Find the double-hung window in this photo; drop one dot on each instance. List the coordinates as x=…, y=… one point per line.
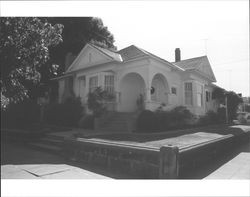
x=199, y=95
x=109, y=84
x=208, y=96
x=188, y=93
x=93, y=83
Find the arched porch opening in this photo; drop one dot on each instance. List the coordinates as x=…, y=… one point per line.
x=132, y=86
x=159, y=89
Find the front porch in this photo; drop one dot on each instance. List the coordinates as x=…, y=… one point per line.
x=137, y=92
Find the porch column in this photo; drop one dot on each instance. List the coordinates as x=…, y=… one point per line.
x=148, y=94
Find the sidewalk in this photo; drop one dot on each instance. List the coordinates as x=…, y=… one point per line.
x=236, y=168
x=46, y=171
x=20, y=162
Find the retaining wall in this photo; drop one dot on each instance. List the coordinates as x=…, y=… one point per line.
x=166, y=162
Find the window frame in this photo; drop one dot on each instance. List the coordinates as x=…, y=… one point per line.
x=91, y=89
x=208, y=96
x=200, y=94
x=190, y=92
x=174, y=87
x=110, y=85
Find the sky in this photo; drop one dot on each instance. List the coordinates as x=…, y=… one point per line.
x=218, y=29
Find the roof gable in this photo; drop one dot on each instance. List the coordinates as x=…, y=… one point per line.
x=131, y=52
x=92, y=55
x=200, y=64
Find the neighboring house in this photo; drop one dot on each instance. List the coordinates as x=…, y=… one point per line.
x=132, y=73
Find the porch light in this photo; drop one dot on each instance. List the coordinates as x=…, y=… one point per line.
x=152, y=90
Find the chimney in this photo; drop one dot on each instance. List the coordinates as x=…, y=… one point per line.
x=177, y=55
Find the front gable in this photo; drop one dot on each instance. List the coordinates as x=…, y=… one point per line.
x=199, y=65
x=206, y=69
x=89, y=56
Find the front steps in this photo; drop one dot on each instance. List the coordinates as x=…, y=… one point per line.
x=116, y=122
x=51, y=143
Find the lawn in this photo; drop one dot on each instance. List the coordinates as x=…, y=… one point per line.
x=180, y=138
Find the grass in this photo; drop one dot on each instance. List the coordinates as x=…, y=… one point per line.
x=179, y=137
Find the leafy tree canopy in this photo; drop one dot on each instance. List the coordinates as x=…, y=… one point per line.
x=77, y=32
x=31, y=51
x=233, y=100
x=24, y=49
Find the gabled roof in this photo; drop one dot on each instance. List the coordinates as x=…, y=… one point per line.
x=114, y=55
x=200, y=64
x=133, y=52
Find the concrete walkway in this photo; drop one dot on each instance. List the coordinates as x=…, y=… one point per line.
x=21, y=162
x=46, y=171
x=237, y=168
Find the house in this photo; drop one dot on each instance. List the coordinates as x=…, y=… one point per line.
x=133, y=73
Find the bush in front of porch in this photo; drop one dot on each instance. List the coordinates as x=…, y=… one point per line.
x=178, y=118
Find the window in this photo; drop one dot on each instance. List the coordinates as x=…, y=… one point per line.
x=81, y=83
x=93, y=83
x=109, y=83
x=188, y=93
x=199, y=95
x=208, y=96
x=174, y=90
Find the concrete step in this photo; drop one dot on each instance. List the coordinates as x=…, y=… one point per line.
x=54, y=136
x=51, y=141
x=112, y=129
x=115, y=123
x=50, y=148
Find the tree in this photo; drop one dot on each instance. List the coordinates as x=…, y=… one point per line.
x=24, y=50
x=233, y=101
x=77, y=32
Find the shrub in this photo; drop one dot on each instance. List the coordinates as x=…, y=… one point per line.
x=210, y=117
x=233, y=101
x=146, y=121
x=87, y=122
x=221, y=115
x=160, y=120
x=96, y=101
x=20, y=114
x=65, y=114
x=180, y=116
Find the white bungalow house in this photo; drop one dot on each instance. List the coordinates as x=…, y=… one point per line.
x=132, y=73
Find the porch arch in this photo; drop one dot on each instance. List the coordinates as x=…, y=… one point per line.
x=131, y=86
x=159, y=88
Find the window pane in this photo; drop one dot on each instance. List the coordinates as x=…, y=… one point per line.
x=188, y=94
x=173, y=90
x=199, y=95
x=109, y=83
x=93, y=83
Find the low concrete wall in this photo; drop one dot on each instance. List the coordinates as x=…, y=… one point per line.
x=167, y=162
x=135, y=160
